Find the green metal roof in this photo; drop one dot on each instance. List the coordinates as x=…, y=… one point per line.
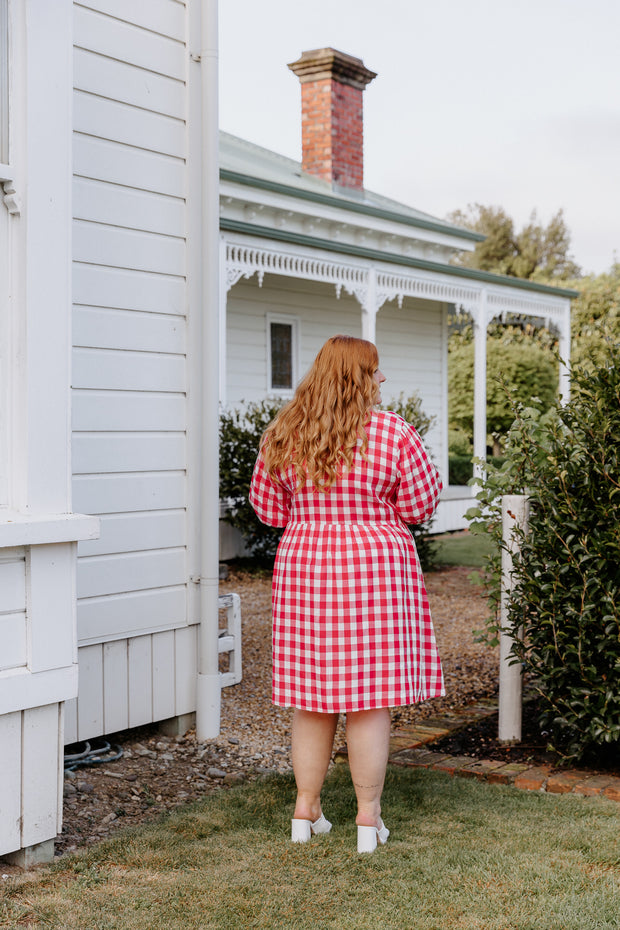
x=245, y=163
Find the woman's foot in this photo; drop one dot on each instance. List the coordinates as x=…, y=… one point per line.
x=302, y=829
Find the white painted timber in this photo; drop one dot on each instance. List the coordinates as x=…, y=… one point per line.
x=130, y=571
x=13, y=636
x=90, y=697
x=121, y=164
x=136, y=680
x=162, y=16
x=119, y=493
x=101, y=619
x=49, y=594
x=107, y=77
x=101, y=202
x=118, y=122
x=12, y=581
x=450, y=514
x=130, y=43
x=140, y=680
x=132, y=532
x=97, y=286
x=127, y=411
x=128, y=248
x=163, y=702
x=95, y=327
x=27, y=529
x=20, y=688
x=117, y=452
x=185, y=659
x=41, y=752
x=115, y=694
x=10, y=781
x=127, y=371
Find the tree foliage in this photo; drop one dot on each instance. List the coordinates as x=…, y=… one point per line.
x=536, y=252
x=566, y=596
x=528, y=372
x=595, y=317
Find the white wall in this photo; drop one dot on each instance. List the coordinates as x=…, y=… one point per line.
x=130, y=363
x=409, y=340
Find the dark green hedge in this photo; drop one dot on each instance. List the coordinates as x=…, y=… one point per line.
x=567, y=577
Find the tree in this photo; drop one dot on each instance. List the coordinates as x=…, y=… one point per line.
x=523, y=368
x=537, y=252
x=595, y=317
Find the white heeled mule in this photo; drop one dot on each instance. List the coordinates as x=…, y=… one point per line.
x=367, y=837
x=302, y=830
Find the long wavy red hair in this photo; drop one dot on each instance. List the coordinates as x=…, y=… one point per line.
x=319, y=429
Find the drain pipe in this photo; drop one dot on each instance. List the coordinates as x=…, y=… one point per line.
x=208, y=686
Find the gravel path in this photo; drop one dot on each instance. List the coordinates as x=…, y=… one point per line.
x=158, y=773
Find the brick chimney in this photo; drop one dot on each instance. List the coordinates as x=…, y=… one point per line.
x=332, y=115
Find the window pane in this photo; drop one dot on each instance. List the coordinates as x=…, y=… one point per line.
x=282, y=356
x=4, y=81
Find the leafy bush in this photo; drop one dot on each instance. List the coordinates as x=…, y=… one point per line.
x=410, y=409
x=460, y=468
x=566, y=595
x=240, y=433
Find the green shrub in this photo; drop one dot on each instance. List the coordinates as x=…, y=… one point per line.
x=460, y=469
x=240, y=433
x=566, y=595
x=410, y=409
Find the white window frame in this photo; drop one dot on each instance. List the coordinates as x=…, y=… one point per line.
x=6, y=44
x=293, y=322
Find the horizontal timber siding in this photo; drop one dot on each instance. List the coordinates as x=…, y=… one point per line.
x=130, y=373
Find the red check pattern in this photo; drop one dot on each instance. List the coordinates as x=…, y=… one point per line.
x=352, y=627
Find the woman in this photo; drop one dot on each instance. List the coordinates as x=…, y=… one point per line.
x=352, y=630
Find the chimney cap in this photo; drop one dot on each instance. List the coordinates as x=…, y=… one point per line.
x=321, y=63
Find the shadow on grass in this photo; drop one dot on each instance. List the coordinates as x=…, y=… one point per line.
x=462, y=856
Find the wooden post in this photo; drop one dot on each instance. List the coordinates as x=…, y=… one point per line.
x=514, y=515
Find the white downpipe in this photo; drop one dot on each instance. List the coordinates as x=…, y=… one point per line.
x=480, y=383
x=369, y=309
x=208, y=686
x=223, y=307
x=514, y=515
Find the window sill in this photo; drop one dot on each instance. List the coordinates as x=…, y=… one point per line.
x=36, y=529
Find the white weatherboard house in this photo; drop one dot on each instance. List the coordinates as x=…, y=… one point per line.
x=109, y=402
x=307, y=252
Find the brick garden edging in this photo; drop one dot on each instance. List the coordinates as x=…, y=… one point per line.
x=409, y=746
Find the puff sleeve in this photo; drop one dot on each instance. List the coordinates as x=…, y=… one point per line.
x=270, y=500
x=420, y=485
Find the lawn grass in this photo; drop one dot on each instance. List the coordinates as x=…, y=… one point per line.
x=462, y=856
x=471, y=549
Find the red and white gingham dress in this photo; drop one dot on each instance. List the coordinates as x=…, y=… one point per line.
x=351, y=622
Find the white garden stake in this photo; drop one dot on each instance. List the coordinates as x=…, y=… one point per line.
x=514, y=514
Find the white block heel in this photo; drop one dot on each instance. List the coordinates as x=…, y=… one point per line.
x=367, y=837
x=302, y=830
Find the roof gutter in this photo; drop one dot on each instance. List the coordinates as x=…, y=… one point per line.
x=353, y=206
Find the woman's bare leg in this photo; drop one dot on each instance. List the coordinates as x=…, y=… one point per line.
x=313, y=739
x=368, y=744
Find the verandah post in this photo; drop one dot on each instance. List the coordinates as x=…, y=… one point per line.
x=515, y=509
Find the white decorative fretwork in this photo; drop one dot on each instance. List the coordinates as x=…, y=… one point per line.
x=245, y=261
x=372, y=287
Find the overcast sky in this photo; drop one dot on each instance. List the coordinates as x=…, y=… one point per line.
x=514, y=103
